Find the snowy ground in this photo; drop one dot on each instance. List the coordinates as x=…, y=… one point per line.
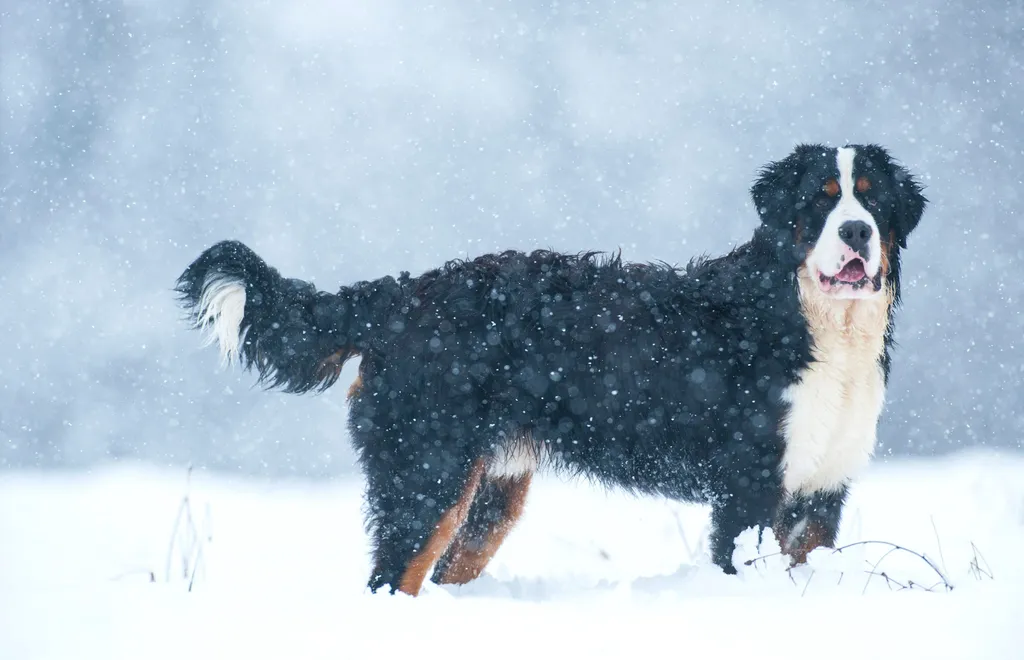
x=587, y=573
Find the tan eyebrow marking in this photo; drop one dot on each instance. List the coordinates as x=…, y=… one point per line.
x=831, y=187
x=863, y=184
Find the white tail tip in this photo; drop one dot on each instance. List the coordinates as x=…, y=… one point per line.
x=222, y=306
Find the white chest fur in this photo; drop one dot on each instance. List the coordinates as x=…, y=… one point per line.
x=830, y=430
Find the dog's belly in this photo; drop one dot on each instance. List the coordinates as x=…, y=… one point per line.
x=515, y=456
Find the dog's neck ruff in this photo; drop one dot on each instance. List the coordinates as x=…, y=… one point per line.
x=830, y=427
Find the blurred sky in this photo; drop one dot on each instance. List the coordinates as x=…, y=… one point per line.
x=345, y=140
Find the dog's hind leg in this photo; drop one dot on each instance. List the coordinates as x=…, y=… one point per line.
x=495, y=510
x=414, y=517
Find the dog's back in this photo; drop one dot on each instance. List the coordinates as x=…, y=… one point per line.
x=752, y=382
x=474, y=374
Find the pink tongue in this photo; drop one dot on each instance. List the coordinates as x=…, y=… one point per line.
x=853, y=271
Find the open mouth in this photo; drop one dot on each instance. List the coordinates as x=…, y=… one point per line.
x=852, y=276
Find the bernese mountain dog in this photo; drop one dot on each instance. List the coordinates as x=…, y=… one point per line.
x=751, y=382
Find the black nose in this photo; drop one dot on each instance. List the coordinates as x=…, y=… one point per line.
x=855, y=233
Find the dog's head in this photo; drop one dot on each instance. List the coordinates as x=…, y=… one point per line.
x=844, y=212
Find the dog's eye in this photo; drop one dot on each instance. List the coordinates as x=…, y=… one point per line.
x=831, y=187
x=872, y=202
x=822, y=202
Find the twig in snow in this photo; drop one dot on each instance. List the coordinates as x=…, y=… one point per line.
x=893, y=547
x=911, y=585
x=763, y=557
x=873, y=572
x=139, y=571
x=976, y=562
x=938, y=543
x=808, y=583
x=184, y=512
x=693, y=553
x=185, y=535
x=889, y=581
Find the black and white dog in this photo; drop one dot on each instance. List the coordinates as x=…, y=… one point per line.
x=752, y=382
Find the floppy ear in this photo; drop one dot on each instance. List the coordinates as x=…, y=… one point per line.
x=910, y=203
x=775, y=192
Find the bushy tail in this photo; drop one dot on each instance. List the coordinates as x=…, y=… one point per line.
x=296, y=337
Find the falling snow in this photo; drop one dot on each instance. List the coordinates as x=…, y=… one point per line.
x=344, y=141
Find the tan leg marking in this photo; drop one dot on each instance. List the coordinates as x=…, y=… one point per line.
x=813, y=537
x=444, y=531
x=471, y=556
x=356, y=386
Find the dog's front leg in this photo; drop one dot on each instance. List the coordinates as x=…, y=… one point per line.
x=811, y=521
x=751, y=499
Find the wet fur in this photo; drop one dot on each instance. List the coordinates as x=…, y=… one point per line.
x=647, y=377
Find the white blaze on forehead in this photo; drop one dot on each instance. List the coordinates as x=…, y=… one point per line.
x=844, y=159
x=830, y=252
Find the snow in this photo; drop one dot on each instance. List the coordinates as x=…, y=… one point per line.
x=345, y=141
x=588, y=573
